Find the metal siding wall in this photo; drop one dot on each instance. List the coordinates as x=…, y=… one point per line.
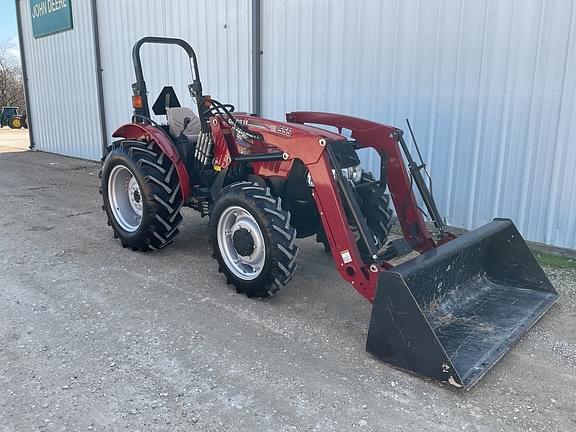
x=219, y=32
x=62, y=86
x=487, y=84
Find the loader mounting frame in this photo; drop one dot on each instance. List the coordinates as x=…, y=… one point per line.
x=301, y=142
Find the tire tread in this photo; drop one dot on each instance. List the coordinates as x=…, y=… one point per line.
x=277, y=227
x=163, y=193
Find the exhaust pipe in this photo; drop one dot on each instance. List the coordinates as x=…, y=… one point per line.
x=453, y=312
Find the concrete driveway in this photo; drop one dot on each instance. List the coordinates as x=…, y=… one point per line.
x=13, y=140
x=97, y=337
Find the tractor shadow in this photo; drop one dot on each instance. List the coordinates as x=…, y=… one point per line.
x=316, y=292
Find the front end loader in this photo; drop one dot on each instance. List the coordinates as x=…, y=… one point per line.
x=449, y=314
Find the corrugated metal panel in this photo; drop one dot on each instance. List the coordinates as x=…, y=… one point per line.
x=62, y=86
x=487, y=84
x=219, y=32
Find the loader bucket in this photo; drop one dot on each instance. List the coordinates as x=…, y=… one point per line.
x=451, y=313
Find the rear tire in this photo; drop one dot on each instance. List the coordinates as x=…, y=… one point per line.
x=141, y=194
x=252, y=239
x=15, y=122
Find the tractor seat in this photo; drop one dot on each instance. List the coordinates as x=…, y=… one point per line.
x=176, y=117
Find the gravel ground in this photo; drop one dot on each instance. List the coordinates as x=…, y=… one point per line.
x=96, y=337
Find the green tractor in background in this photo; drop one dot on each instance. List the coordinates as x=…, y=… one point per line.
x=10, y=117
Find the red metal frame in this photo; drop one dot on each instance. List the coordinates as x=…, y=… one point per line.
x=308, y=144
x=384, y=139
x=149, y=133
x=301, y=141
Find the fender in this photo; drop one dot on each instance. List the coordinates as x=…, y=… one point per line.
x=148, y=133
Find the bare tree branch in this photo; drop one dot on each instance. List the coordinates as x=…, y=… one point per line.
x=11, y=82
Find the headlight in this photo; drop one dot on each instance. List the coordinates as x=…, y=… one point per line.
x=351, y=173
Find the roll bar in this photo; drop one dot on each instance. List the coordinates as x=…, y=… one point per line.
x=139, y=87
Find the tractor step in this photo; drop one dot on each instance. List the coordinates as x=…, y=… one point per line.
x=201, y=201
x=451, y=313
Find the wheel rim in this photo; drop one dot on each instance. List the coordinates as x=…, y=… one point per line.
x=125, y=198
x=241, y=243
x=16, y=123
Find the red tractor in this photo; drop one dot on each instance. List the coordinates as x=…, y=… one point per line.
x=448, y=314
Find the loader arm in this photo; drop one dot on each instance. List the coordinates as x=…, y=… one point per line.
x=310, y=144
x=386, y=141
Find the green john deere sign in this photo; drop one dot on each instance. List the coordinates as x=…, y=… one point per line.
x=50, y=16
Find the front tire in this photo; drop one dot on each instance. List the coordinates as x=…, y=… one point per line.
x=252, y=239
x=375, y=206
x=141, y=194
